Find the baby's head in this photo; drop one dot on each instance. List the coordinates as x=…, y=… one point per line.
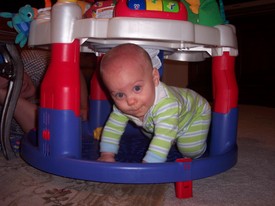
x=128, y=74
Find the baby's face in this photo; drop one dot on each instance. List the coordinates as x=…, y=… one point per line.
x=132, y=88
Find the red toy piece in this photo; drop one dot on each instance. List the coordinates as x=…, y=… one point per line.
x=60, y=88
x=96, y=88
x=185, y=189
x=225, y=88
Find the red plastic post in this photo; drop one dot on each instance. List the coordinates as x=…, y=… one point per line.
x=97, y=91
x=60, y=88
x=225, y=89
x=185, y=189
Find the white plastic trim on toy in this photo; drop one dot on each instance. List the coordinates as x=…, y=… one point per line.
x=99, y=35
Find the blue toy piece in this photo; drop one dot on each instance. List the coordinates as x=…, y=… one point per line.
x=137, y=4
x=56, y=157
x=21, y=23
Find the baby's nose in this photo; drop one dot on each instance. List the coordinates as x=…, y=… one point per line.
x=131, y=101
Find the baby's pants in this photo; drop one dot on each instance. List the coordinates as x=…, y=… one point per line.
x=192, y=143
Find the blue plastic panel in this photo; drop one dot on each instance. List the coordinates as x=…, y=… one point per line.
x=87, y=168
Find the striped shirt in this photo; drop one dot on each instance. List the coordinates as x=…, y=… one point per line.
x=174, y=111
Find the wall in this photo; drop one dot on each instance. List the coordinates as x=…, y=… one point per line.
x=255, y=66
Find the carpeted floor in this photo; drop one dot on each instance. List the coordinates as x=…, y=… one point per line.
x=251, y=182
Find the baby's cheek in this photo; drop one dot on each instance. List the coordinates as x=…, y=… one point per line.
x=150, y=101
x=120, y=105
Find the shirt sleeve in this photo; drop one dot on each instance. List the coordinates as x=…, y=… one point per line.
x=112, y=132
x=166, y=120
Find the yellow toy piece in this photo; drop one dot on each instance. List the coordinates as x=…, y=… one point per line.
x=84, y=6
x=194, y=5
x=154, y=5
x=97, y=133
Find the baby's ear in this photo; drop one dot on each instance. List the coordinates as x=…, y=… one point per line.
x=156, y=76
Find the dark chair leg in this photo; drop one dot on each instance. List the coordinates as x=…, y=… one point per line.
x=12, y=69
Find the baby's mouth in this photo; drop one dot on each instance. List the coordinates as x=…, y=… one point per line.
x=135, y=110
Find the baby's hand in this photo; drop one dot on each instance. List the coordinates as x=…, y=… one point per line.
x=107, y=157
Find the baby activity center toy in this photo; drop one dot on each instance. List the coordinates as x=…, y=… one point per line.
x=66, y=146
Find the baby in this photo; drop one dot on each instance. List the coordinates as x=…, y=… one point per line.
x=170, y=114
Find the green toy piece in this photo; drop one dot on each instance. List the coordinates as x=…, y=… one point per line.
x=203, y=12
x=21, y=23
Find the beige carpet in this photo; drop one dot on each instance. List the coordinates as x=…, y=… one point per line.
x=251, y=182
x=26, y=186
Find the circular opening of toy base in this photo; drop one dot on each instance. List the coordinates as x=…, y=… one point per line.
x=128, y=169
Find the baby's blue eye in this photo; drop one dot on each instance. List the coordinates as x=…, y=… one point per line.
x=137, y=88
x=119, y=95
